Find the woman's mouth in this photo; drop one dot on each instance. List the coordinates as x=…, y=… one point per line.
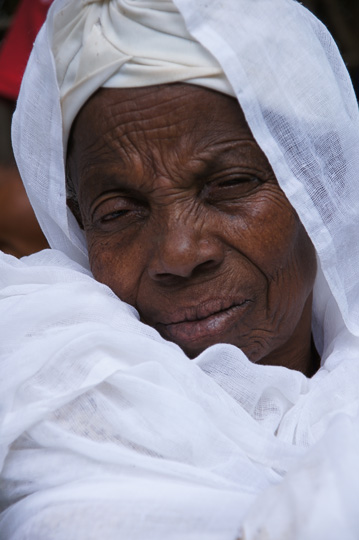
x=209, y=322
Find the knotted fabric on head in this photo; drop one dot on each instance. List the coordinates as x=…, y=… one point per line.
x=126, y=44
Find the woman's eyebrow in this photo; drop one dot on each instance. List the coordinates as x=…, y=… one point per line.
x=218, y=155
x=91, y=187
x=204, y=162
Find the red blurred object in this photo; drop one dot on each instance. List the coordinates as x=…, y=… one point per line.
x=17, y=44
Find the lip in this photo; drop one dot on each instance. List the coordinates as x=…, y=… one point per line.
x=209, y=321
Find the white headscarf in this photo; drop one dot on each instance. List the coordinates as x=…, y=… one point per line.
x=108, y=431
x=126, y=44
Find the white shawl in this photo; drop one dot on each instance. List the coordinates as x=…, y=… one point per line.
x=108, y=431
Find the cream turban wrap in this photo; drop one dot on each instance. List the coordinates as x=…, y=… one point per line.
x=126, y=44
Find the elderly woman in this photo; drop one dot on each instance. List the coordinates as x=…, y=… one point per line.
x=194, y=167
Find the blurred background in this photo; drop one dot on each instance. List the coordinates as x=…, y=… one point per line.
x=6, y=11
x=340, y=16
x=20, y=21
x=342, y=19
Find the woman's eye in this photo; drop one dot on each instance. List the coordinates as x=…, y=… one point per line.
x=114, y=215
x=233, y=182
x=117, y=211
x=231, y=188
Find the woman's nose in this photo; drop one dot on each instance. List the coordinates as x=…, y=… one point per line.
x=183, y=250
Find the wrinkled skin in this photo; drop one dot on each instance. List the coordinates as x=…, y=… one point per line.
x=185, y=220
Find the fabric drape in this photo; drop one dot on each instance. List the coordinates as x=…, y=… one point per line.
x=107, y=430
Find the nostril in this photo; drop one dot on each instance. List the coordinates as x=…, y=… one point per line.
x=182, y=253
x=170, y=280
x=177, y=278
x=205, y=267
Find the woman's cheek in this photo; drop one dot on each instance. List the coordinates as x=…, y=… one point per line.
x=268, y=248
x=115, y=266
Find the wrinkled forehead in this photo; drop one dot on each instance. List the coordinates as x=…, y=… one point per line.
x=166, y=112
x=164, y=107
x=178, y=131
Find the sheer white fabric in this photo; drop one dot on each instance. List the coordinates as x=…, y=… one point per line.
x=108, y=431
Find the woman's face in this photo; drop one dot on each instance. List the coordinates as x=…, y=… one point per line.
x=184, y=220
